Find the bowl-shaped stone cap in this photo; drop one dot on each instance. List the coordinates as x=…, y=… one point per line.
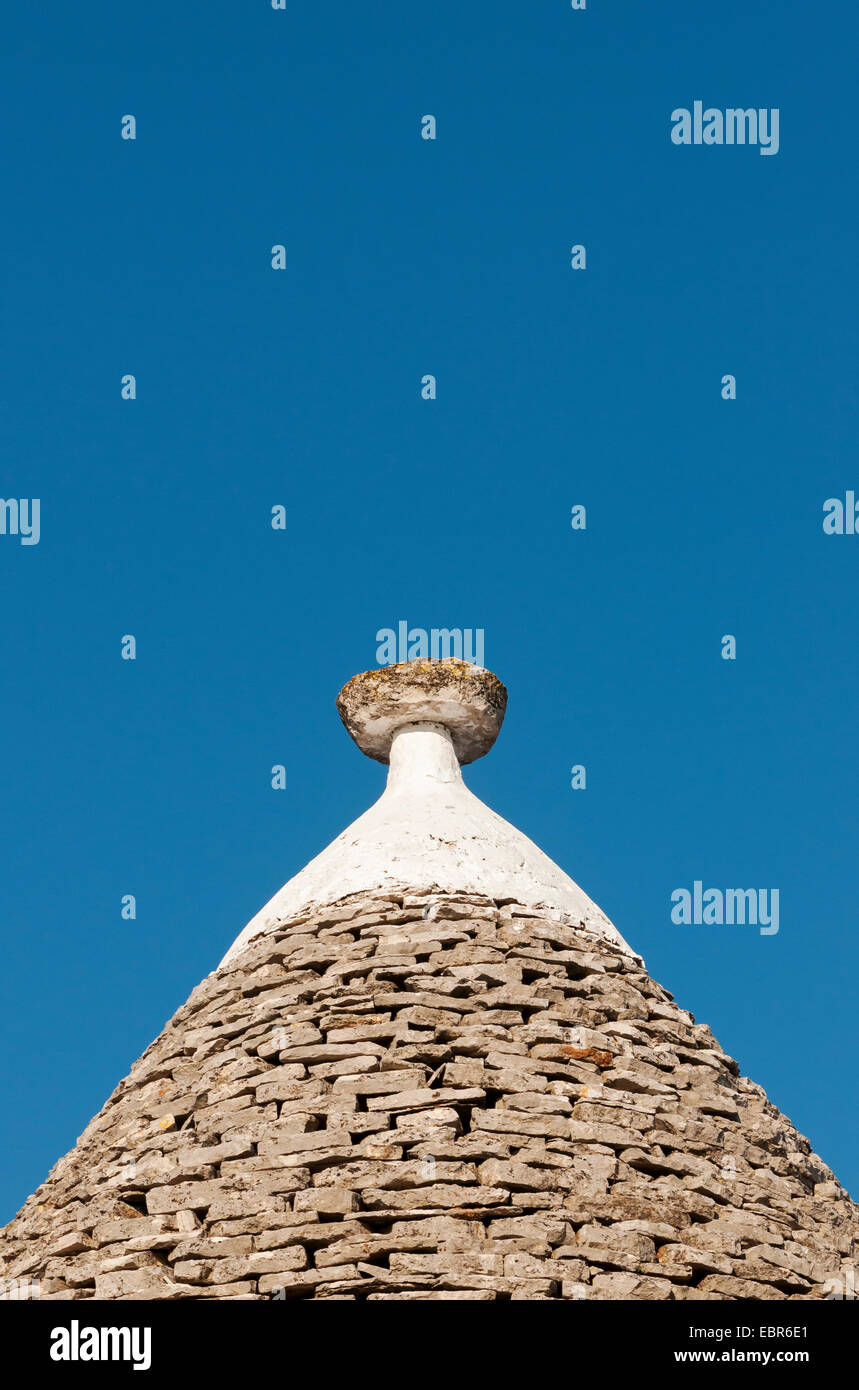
x=466, y=700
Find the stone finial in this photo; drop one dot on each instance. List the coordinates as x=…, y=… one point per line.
x=466, y=700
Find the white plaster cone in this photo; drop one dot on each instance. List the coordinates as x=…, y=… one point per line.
x=428, y=832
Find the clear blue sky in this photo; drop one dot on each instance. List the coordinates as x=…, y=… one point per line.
x=301, y=388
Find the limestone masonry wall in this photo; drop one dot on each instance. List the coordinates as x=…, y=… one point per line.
x=434, y=1098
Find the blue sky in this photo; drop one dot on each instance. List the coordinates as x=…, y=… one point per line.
x=302, y=388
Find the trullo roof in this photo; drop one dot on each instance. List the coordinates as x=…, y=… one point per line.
x=431, y=1068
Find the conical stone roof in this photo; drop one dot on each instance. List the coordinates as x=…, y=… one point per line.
x=433, y=1089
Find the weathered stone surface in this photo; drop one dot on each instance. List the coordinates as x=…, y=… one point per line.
x=626, y=1286
x=481, y=1105
x=470, y=701
x=142, y=1283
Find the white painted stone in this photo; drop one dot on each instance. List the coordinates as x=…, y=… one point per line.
x=429, y=832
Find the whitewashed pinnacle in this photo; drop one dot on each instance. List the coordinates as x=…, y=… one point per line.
x=427, y=831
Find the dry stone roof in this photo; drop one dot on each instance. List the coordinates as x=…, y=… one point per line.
x=434, y=1096
x=431, y=1068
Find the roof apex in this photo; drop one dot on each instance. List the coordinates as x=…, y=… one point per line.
x=466, y=700
x=428, y=832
